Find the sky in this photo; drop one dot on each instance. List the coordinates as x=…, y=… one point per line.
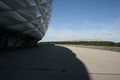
x=84, y=20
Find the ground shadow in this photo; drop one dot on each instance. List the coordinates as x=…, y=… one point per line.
x=44, y=62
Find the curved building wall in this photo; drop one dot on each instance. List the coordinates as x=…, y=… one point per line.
x=26, y=17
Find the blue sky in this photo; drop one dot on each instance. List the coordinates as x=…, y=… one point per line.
x=84, y=19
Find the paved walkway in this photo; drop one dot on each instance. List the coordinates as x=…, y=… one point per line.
x=56, y=62
x=101, y=64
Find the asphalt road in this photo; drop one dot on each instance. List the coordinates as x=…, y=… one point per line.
x=57, y=62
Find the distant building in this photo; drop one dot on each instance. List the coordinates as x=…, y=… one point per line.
x=23, y=22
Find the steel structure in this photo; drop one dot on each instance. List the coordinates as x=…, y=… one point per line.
x=23, y=22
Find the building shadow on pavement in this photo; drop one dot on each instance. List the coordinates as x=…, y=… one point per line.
x=44, y=62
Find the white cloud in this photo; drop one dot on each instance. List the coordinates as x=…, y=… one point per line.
x=108, y=33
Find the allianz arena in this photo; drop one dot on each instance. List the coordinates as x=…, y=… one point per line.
x=23, y=22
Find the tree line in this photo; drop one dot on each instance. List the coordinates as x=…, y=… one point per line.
x=94, y=43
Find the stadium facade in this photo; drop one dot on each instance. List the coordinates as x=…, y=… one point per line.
x=23, y=22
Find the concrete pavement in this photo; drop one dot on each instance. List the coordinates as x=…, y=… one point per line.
x=101, y=64
x=58, y=62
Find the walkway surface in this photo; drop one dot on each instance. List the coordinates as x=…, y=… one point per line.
x=101, y=64
x=58, y=62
